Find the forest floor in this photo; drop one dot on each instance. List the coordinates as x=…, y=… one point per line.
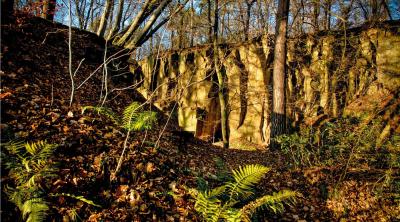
x=154, y=183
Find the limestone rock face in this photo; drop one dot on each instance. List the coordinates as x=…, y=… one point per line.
x=332, y=75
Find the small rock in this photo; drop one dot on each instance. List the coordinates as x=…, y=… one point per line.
x=20, y=126
x=70, y=114
x=296, y=217
x=305, y=208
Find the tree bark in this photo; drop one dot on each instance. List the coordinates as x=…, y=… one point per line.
x=191, y=24
x=104, y=18
x=221, y=82
x=316, y=7
x=327, y=12
x=89, y=13
x=249, y=4
x=278, y=118
x=115, y=28
x=134, y=25
x=142, y=34
x=79, y=14
x=210, y=28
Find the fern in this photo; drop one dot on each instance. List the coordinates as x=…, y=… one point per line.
x=29, y=162
x=29, y=166
x=273, y=202
x=143, y=121
x=130, y=114
x=132, y=119
x=34, y=210
x=245, y=178
x=104, y=111
x=212, y=207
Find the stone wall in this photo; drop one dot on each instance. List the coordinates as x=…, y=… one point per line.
x=351, y=73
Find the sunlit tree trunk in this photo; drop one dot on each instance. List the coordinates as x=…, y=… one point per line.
x=278, y=118
x=191, y=23
x=327, y=14
x=221, y=82
x=115, y=28
x=316, y=7
x=104, y=18
x=89, y=14
x=135, y=23
x=210, y=29
x=80, y=14
x=138, y=40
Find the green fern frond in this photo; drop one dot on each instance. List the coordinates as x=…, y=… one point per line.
x=40, y=150
x=81, y=198
x=273, y=202
x=208, y=207
x=42, y=171
x=30, y=162
x=34, y=148
x=213, y=209
x=233, y=215
x=14, y=196
x=130, y=113
x=35, y=210
x=244, y=180
x=107, y=112
x=15, y=147
x=142, y=121
x=216, y=191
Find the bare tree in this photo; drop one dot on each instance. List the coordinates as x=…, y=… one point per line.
x=278, y=97
x=221, y=82
x=104, y=18
x=249, y=4
x=117, y=22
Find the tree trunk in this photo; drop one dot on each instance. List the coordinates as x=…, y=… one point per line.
x=181, y=33
x=134, y=25
x=328, y=6
x=278, y=118
x=89, y=14
x=137, y=41
x=221, y=82
x=79, y=14
x=249, y=4
x=210, y=29
x=191, y=24
x=151, y=32
x=374, y=10
x=115, y=28
x=315, y=16
x=104, y=18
